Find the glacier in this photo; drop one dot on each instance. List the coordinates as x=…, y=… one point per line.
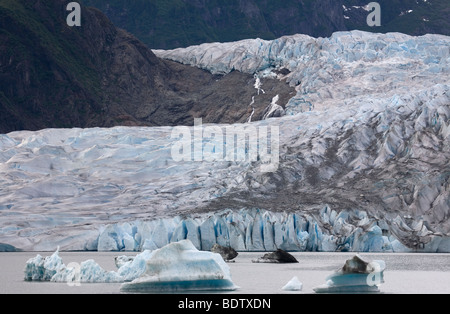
x=254, y=230
x=363, y=161
x=328, y=72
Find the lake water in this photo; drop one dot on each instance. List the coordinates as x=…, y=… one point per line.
x=405, y=273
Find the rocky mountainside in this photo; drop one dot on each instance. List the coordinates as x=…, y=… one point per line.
x=96, y=75
x=167, y=24
x=174, y=23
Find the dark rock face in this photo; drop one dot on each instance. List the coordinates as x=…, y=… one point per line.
x=56, y=76
x=172, y=24
x=227, y=253
x=279, y=256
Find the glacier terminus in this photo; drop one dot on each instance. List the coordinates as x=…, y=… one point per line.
x=364, y=151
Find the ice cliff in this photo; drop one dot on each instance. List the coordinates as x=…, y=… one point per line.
x=256, y=230
x=363, y=161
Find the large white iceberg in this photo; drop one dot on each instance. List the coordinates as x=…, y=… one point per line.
x=180, y=266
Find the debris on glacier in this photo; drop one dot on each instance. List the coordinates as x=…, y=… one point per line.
x=293, y=285
x=180, y=266
x=227, y=253
x=357, y=275
x=279, y=256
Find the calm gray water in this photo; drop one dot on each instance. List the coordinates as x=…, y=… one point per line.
x=405, y=273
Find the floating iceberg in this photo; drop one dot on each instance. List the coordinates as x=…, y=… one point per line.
x=51, y=268
x=357, y=276
x=43, y=269
x=293, y=285
x=179, y=267
x=227, y=253
x=279, y=256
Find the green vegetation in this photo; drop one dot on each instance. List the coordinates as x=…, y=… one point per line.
x=432, y=16
x=43, y=64
x=175, y=23
x=25, y=29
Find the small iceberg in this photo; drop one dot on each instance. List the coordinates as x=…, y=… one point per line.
x=227, y=253
x=293, y=285
x=357, y=276
x=180, y=266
